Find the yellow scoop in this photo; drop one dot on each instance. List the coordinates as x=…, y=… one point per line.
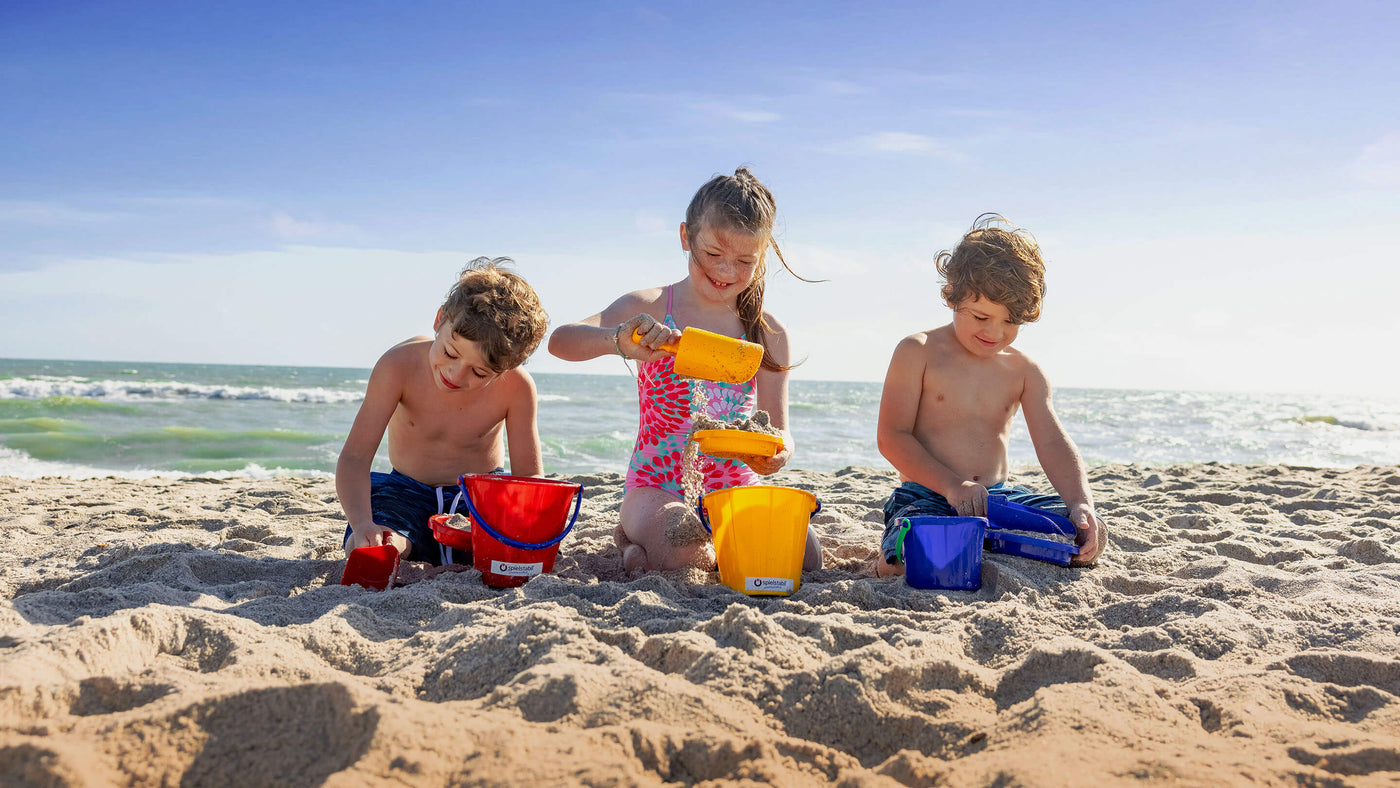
x=705, y=354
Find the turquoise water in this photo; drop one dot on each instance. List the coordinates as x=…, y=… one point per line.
x=84, y=418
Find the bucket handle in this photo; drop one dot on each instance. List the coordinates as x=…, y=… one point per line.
x=506, y=540
x=705, y=519
x=904, y=526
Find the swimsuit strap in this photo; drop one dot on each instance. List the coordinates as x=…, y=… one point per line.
x=670, y=294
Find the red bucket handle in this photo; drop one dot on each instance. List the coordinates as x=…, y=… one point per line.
x=506, y=540
x=705, y=519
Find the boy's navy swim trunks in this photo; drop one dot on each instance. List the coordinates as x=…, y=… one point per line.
x=912, y=499
x=404, y=504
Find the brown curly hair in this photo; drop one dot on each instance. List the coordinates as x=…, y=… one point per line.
x=496, y=308
x=999, y=262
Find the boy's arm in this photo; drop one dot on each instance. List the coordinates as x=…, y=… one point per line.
x=894, y=432
x=772, y=396
x=522, y=429
x=1063, y=466
x=352, y=468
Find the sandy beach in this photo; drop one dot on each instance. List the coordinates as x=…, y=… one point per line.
x=1241, y=629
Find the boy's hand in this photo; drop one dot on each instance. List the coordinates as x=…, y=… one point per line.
x=373, y=536
x=1090, y=534
x=970, y=500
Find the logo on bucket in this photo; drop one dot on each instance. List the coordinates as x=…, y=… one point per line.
x=507, y=569
x=783, y=584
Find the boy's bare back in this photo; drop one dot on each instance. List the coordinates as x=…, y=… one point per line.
x=432, y=432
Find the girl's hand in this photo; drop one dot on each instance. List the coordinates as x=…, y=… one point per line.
x=767, y=466
x=1090, y=534
x=970, y=500
x=654, y=334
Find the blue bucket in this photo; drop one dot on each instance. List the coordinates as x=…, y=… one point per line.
x=942, y=552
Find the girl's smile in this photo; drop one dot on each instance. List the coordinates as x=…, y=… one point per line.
x=726, y=260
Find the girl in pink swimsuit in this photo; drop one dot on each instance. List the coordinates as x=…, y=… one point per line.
x=665, y=401
x=726, y=234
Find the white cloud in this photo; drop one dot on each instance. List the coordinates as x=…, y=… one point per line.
x=653, y=225
x=50, y=213
x=285, y=226
x=1379, y=162
x=842, y=87
x=818, y=262
x=904, y=142
x=737, y=113
x=738, y=109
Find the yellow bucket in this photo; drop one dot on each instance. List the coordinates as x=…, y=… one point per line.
x=760, y=536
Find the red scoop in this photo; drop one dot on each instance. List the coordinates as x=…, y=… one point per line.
x=372, y=567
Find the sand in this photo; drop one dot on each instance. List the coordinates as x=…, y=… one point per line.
x=1242, y=628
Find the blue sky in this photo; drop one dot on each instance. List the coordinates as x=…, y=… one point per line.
x=1215, y=186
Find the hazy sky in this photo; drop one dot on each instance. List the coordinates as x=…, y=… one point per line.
x=1216, y=186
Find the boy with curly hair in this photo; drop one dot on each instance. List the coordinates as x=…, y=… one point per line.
x=951, y=393
x=444, y=401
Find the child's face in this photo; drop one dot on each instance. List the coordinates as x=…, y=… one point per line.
x=457, y=364
x=723, y=262
x=983, y=327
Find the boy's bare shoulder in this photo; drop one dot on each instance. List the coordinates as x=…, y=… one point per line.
x=932, y=339
x=517, y=382
x=406, y=347
x=403, y=359
x=413, y=349
x=1032, y=373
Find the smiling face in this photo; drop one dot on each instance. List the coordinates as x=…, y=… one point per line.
x=457, y=364
x=983, y=328
x=723, y=262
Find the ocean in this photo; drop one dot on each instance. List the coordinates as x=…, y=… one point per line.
x=86, y=419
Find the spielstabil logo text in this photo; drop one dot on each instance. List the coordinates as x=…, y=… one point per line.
x=783, y=584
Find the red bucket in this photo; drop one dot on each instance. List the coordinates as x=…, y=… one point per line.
x=517, y=524
x=451, y=539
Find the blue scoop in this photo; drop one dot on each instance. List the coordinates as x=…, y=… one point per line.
x=1003, y=514
x=1017, y=517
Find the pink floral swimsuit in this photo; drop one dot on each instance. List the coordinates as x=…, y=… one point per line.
x=664, y=400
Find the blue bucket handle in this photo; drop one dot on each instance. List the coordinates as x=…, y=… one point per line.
x=705, y=519
x=506, y=540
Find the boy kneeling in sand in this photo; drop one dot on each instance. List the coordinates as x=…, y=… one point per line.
x=444, y=401
x=951, y=393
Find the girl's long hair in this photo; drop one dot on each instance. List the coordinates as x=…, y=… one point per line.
x=739, y=202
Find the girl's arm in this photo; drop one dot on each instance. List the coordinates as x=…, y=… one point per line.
x=1060, y=460
x=772, y=396
x=522, y=428
x=352, y=482
x=610, y=331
